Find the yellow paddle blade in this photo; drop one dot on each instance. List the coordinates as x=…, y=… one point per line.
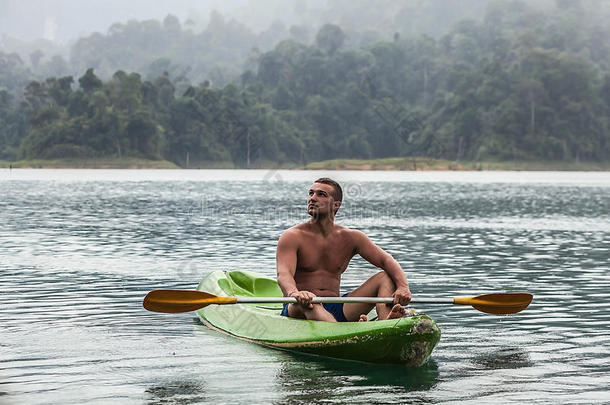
x=176, y=301
x=498, y=303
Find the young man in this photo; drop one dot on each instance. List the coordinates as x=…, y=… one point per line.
x=312, y=256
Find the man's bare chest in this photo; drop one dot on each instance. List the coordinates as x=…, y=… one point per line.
x=332, y=255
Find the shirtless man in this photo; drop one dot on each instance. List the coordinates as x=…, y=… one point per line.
x=312, y=256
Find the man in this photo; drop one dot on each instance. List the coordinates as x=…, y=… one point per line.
x=312, y=256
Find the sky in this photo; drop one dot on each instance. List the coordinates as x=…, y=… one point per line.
x=61, y=21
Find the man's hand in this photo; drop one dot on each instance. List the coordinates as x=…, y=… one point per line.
x=402, y=296
x=303, y=298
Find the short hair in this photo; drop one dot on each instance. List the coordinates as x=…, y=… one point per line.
x=338, y=194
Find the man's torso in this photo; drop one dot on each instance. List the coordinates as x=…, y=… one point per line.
x=322, y=259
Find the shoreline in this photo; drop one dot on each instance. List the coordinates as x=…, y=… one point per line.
x=430, y=164
x=389, y=164
x=93, y=163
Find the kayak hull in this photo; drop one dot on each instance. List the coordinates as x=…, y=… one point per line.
x=408, y=341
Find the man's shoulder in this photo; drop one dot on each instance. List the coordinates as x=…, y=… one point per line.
x=355, y=236
x=299, y=228
x=294, y=232
x=348, y=231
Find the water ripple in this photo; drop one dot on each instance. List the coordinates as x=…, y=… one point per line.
x=80, y=250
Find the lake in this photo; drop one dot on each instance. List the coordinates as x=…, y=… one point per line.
x=79, y=249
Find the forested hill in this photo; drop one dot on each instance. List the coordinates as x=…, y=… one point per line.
x=220, y=46
x=519, y=84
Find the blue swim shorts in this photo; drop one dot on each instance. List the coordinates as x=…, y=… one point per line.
x=335, y=308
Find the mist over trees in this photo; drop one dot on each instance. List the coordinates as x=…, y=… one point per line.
x=518, y=83
x=218, y=47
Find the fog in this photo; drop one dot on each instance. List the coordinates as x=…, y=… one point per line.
x=62, y=21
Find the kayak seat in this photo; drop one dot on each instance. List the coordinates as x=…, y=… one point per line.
x=249, y=285
x=266, y=287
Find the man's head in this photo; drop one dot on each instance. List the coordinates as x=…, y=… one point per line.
x=325, y=196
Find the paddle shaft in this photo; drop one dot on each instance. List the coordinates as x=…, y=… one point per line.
x=328, y=300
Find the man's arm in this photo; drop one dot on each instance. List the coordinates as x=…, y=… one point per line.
x=286, y=265
x=380, y=258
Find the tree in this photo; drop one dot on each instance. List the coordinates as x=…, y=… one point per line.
x=89, y=81
x=171, y=24
x=330, y=38
x=35, y=58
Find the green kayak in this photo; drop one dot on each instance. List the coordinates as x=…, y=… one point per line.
x=408, y=340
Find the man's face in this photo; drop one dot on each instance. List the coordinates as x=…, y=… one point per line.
x=320, y=200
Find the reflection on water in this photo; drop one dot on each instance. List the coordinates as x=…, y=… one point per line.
x=176, y=392
x=503, y=358
x=80, y=249
x=313, y=379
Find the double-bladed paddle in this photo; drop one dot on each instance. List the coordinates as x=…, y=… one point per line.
x=176, y=301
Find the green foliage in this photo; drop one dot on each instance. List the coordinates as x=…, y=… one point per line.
x=330, y=38
x=518, y=85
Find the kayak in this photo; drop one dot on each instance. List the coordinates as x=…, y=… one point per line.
x=407, y=340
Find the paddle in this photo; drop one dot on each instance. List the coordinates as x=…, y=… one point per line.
x=176, y=301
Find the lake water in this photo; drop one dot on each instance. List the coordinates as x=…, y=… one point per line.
x=79, y=249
